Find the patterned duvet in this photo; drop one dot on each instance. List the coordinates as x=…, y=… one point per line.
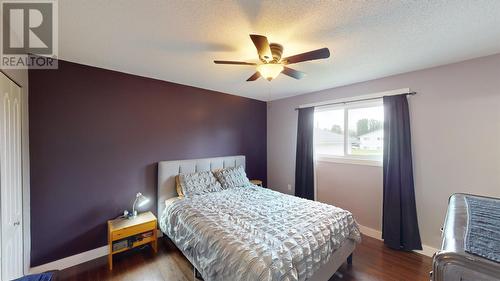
x=253, y=233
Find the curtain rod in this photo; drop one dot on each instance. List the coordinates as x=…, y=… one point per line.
x=351, y=101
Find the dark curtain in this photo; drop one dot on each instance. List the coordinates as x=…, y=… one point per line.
x=304, y=163
x=400, y=224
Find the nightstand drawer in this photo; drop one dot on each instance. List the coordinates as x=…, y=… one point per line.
x=129, y=231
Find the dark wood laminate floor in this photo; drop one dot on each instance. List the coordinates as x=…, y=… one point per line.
x=372, y=261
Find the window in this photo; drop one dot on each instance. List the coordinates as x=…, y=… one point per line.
x=329, y=132
x=353, y=131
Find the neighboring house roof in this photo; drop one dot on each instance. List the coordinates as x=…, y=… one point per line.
x=327, y=136
x=377, y=133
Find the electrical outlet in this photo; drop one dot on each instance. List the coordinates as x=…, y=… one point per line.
x=289, y=187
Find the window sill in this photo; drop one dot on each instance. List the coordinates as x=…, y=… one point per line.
x=346, y=160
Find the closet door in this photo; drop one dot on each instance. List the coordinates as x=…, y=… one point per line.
x=10, y=178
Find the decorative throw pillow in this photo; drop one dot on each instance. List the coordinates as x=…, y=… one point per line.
x=178, y=186
x=198, y=183
x=232, y=177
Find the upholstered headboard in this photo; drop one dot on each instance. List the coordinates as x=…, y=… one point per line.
x=167, y=170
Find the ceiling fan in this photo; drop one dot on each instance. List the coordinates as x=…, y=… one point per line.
x=271, y=62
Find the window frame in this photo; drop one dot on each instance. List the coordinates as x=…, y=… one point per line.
x=347, y=158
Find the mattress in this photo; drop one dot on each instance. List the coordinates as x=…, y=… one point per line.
x=253, y=233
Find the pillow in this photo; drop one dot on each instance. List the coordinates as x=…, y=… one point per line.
x=232, y=177
x=178, y=186
x=198, y=183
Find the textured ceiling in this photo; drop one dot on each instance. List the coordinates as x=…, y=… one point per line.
x=178, y=40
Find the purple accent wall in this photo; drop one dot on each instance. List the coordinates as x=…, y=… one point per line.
x=96, y=136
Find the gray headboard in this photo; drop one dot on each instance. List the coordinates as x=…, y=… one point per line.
x=167, y=170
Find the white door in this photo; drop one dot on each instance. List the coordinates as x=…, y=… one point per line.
x=10, y=179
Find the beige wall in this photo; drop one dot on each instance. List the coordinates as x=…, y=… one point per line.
x=455, y=120
x=338, y=183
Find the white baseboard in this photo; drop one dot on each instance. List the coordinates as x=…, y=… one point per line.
x=373, y=233
x=71, y=260
x=74, y=260
x=426, y=250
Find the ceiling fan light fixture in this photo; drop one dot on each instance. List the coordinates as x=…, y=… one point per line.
x=272, y=64
x=270, y=70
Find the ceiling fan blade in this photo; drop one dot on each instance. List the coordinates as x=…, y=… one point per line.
x=262, y=46
x=233, y=62
x=312, y=55
x=254, y=77
x=293, y=73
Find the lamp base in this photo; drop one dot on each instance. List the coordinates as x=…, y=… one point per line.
x=131, y=215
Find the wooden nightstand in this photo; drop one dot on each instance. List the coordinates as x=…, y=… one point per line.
x=126, y=234
x=256, y=182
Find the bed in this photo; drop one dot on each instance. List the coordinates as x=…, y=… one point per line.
x=252, y=233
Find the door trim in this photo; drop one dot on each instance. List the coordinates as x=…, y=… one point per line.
x=25, y=155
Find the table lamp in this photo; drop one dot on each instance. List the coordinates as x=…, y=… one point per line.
x=140, y=200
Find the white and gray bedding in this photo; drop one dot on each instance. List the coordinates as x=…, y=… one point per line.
x=252, y=233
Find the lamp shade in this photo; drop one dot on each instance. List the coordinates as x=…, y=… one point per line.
x=141, y=200
x=270, y=70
